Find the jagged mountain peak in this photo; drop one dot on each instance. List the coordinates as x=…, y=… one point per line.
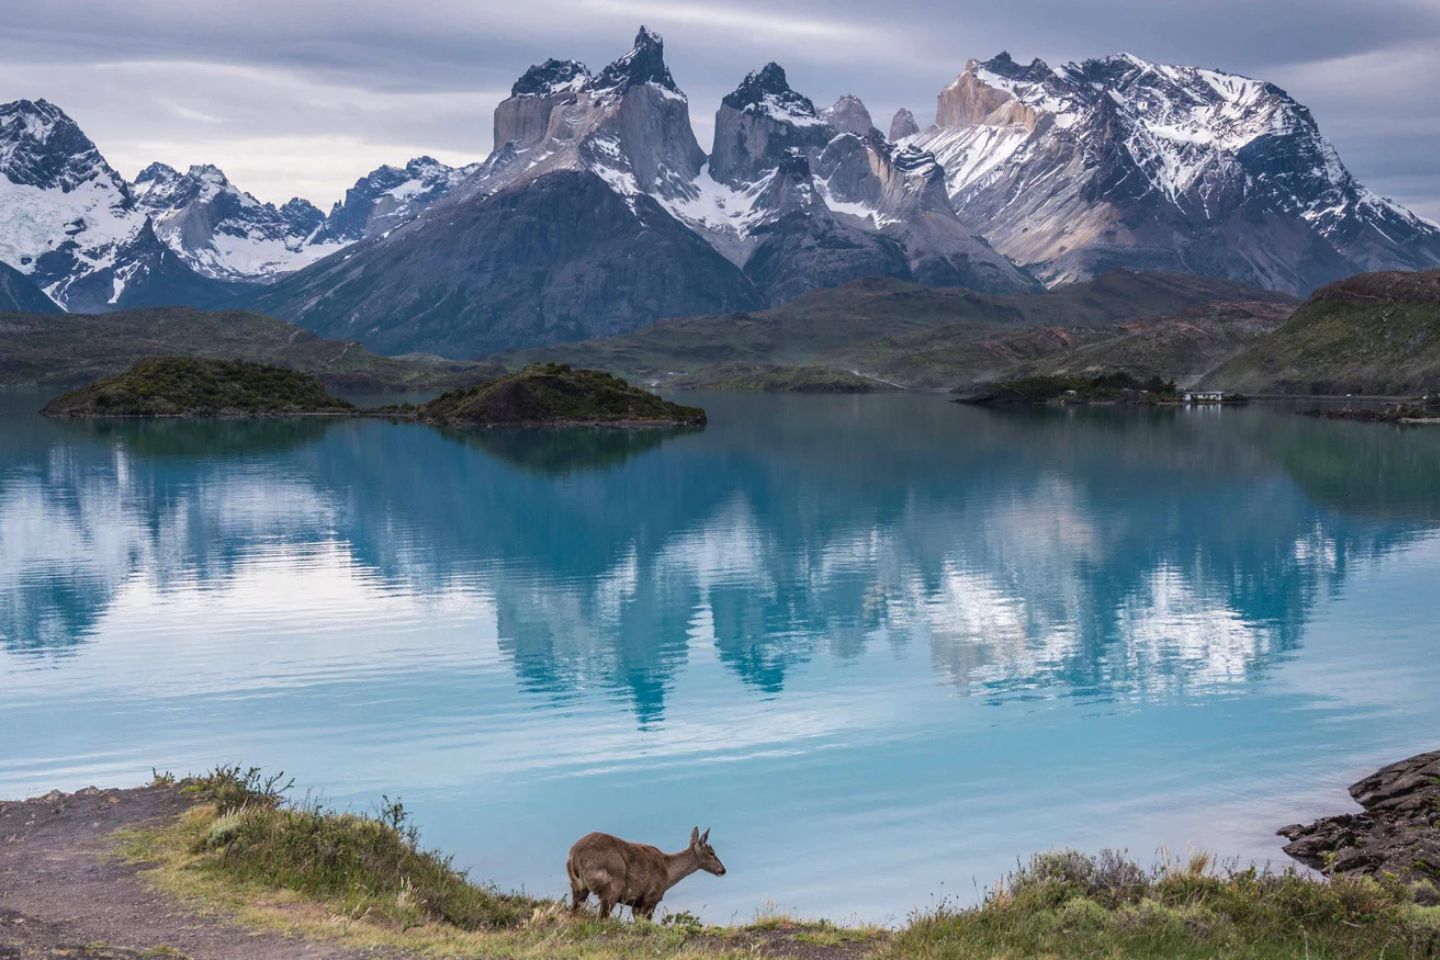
x=645, y=63
x=848, y=114
x=903, y=125
x=1159, y=166
x=768, y=91
x=41, y=146
x=156, y=171
x=551, y=77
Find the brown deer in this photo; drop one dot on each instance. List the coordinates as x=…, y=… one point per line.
x=635, y=875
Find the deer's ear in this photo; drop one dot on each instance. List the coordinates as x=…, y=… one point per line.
x=705, y=837
x=694, y=835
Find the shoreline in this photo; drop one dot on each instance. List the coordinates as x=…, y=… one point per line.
x=166, y=868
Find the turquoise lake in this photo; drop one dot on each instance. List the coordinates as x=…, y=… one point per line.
x=883, y=646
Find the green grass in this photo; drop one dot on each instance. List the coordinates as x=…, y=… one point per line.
x=365, y=881
x=1078, y=907
x=1375, y=334
x=192, y=386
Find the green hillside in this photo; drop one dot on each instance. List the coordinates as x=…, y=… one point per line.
x=1376, y=333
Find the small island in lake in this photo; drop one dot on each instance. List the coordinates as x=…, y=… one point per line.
x=556, y=394
x=541, y=395
x=1109, y=388
x=199, y=387
x=1407, y=413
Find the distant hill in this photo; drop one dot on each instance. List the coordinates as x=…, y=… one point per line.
x=1375, y=333
x=199, y=387
x=71, y=349
x=893, y=331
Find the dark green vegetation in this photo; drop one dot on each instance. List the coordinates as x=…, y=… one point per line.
x=1389, y=413
x=244, y=849
x=1375, y=333
x=556, y=394
x=72, y=349
x=905, y=334
x=1077, y=907
x=1118, y=387
x=771, y=378
x=194, y=387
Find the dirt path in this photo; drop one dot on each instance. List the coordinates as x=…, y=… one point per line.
x=61, y=896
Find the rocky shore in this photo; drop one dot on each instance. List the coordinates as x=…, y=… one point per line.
x=1397, y=834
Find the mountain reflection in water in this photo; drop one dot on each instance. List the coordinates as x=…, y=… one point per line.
x=803, y=576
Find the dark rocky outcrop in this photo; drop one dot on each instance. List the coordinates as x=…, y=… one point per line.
x=1397, y=834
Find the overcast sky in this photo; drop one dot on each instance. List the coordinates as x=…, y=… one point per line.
x=304, y=96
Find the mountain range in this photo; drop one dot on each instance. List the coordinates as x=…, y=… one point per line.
x=598, y=212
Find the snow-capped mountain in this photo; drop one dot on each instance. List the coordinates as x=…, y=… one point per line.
x=560, y=235
x=223, y=232
x=78, y=230
x=786, y=202
x=822, y=198
x=72, y=224
x=388, y=196
x=1120, y=161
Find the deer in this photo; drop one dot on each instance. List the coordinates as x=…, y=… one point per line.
x=635, y=875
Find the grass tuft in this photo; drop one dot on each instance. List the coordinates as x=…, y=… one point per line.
x=1073, y=905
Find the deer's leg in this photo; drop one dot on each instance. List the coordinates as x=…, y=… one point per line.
x=578, y=896
x=607, y=903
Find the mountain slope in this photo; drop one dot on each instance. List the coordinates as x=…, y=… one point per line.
x=1377, y=333
x=1120, y=161
x=560, y=235
x=19, y=295
x=560, y=257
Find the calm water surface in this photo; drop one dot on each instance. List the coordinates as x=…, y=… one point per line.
x=883, y=646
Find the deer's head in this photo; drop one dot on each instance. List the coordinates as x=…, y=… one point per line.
x=704, y=853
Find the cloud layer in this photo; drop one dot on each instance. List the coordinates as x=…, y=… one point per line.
x=303, y=96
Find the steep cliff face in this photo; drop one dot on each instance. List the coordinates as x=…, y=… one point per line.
x=848, y=115
x=870, y=211
x=629, y=124
x=761, y=122
x=903, y=125
x=1124, y=162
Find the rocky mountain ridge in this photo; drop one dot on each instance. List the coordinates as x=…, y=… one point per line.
x=1066, y=171
x=1154, y=166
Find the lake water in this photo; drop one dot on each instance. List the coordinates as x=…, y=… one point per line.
x=883, y=646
